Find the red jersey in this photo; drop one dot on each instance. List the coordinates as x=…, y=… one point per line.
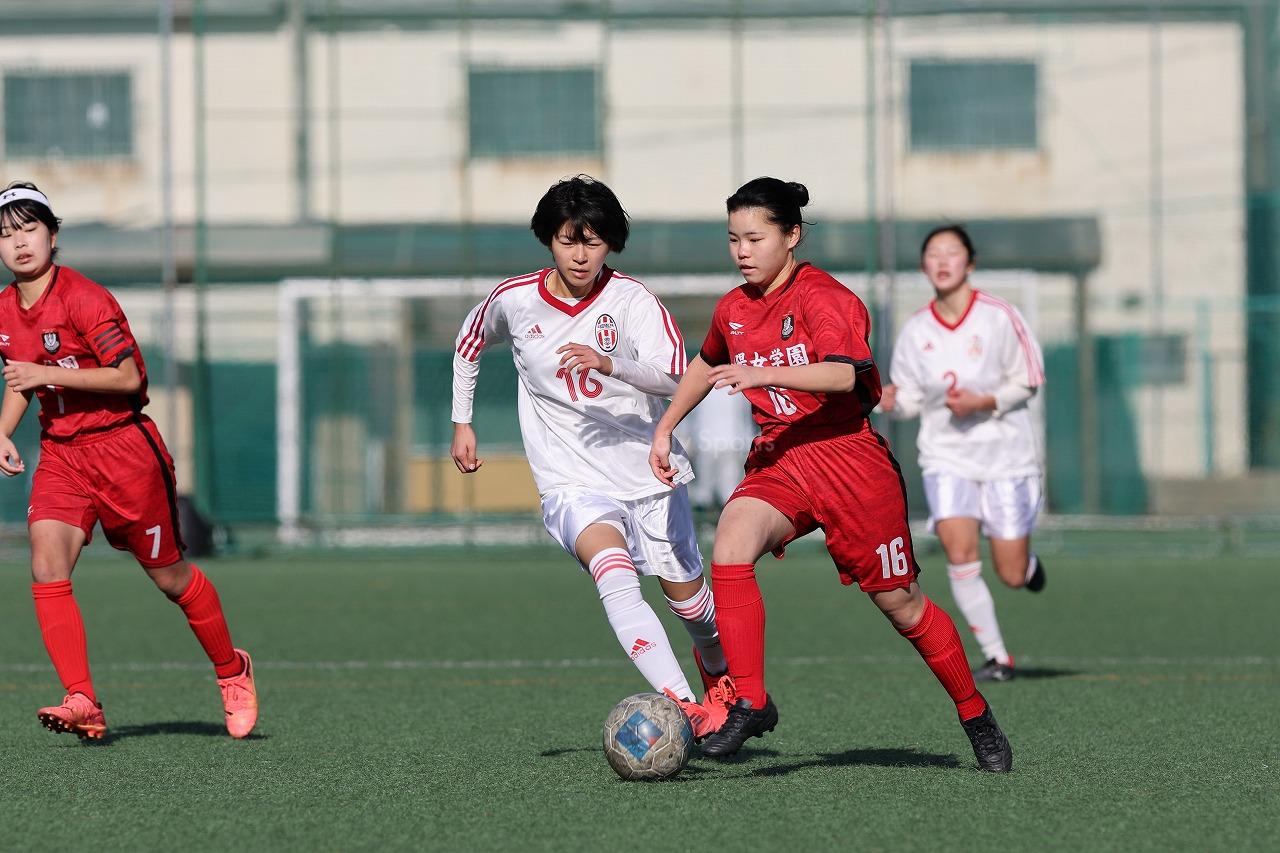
x=811, y=318
x=76, y=323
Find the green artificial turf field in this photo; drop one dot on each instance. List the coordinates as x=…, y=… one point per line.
x=453, y=700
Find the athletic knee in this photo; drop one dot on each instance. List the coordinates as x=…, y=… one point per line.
x=960, y=554
x=1013, y=575
x=171, y=580
x=42, y=572
x=903, y=607
x=50, y=564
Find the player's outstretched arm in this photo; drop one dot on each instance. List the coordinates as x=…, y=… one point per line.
x=640, y=375
x=123, y=378
x=691, y=391
x=827, y=377
x=11, y=412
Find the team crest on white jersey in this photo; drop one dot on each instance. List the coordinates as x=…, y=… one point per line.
x=52, y=343
x=606, y=333
x=975, y=347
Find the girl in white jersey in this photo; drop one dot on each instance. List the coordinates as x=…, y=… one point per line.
x=596, y=354
x=967, y=365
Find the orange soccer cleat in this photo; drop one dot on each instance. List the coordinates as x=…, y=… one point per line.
x=240, y=699
x=78, y=715
x=706, y=717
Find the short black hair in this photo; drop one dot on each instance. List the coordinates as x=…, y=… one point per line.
x=783, y=200
x=584, y=203
x=20, y=212
x=25, y=210
x=961, y=235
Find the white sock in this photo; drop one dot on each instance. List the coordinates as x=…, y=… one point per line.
x=974, y=600
x=698, y=614
x=636, y=625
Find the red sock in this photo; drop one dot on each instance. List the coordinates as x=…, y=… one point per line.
x=935, y=638
x=204, y=613
x=740, y=620
x=63, y=632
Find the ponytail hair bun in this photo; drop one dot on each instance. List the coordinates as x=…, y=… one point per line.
x=781, y=199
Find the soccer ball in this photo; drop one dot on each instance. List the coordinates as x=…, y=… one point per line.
x=647, y=737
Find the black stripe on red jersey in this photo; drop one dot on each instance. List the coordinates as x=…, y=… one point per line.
x=864, y=393
x=708, y=361
x=858, y=366
x=111, y=344
x=902, y=484
x=112, y=328
x=170, y=487
x=120, y=357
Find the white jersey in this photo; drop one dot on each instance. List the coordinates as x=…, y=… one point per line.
x=580, y=430
x=989, y=351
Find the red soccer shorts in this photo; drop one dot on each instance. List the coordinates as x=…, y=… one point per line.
x=850, y=487
x=121, y=476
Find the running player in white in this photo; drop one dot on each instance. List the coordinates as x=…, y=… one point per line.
x=967, y=365
x=596, y=352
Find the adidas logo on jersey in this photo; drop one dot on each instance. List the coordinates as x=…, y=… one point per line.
x=640, y=646
x=534, y=333
x=928, y=347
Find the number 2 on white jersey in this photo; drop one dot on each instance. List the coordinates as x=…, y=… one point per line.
x=900, y=565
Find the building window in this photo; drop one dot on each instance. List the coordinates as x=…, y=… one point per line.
x=537, y=112
x=68, y=115
x=967, y=105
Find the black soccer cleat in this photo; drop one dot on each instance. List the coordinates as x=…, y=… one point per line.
x=1035, y=583
x=993, y=670
x=743, y=723
x=990, y=746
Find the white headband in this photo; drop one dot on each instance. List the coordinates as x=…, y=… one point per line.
x=22, y=194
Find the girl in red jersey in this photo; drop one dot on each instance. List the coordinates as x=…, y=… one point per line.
x=793, y=340
x=64, y=339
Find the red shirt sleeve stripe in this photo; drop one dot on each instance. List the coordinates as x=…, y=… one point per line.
x=669, y=325
x=473, y=342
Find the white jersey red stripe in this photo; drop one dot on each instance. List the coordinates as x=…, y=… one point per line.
x=989, y=348
x=472, y=343
x=1031, y=352
x=678, y=358
x=581, y=430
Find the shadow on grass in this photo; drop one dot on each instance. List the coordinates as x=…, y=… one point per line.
x=172, y=727
x=861, y=758
x=1031, y=673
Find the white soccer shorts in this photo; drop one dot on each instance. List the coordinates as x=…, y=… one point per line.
x=1007, y=508
x=659, y=529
